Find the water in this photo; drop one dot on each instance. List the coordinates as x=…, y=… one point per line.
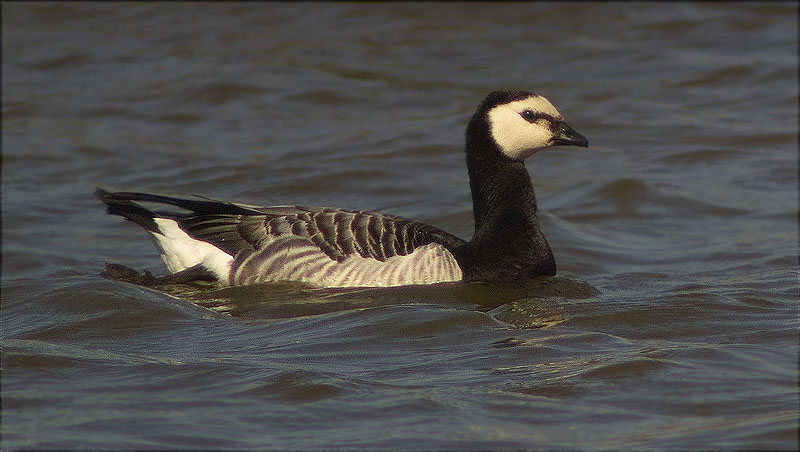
x=672, y=323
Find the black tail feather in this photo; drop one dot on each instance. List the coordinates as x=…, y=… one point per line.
x=127, y=209
x=123, y=203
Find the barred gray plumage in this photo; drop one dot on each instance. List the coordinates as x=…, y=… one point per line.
x=329, y=247
x=326, y=247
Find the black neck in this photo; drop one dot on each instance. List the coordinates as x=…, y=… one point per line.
x=508, y=243
x=502, y=195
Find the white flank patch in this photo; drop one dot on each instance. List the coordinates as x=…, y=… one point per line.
x=179, y=251
x=303, y=261
x=428, y=264
x=517, y=137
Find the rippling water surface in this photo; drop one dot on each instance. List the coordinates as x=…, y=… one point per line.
x=673, y=322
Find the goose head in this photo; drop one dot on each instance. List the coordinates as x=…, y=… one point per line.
x=521, y=123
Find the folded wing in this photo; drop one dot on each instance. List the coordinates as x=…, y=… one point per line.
x=321, y=246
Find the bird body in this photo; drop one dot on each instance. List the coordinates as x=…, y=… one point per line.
x=239, y=244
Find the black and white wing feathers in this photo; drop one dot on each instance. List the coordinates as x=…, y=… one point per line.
x=338, y=233
x=323, y=246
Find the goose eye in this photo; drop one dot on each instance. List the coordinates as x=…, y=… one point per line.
x=528, y=115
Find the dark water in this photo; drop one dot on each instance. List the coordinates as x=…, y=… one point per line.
x=673, y=323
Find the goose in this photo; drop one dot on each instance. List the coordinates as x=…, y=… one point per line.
x=239, y=244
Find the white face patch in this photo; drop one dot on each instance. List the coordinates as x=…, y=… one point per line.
x=517, y=137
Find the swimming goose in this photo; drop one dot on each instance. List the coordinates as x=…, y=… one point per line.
x=239, y=244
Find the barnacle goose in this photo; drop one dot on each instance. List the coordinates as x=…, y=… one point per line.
x=239, y=244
